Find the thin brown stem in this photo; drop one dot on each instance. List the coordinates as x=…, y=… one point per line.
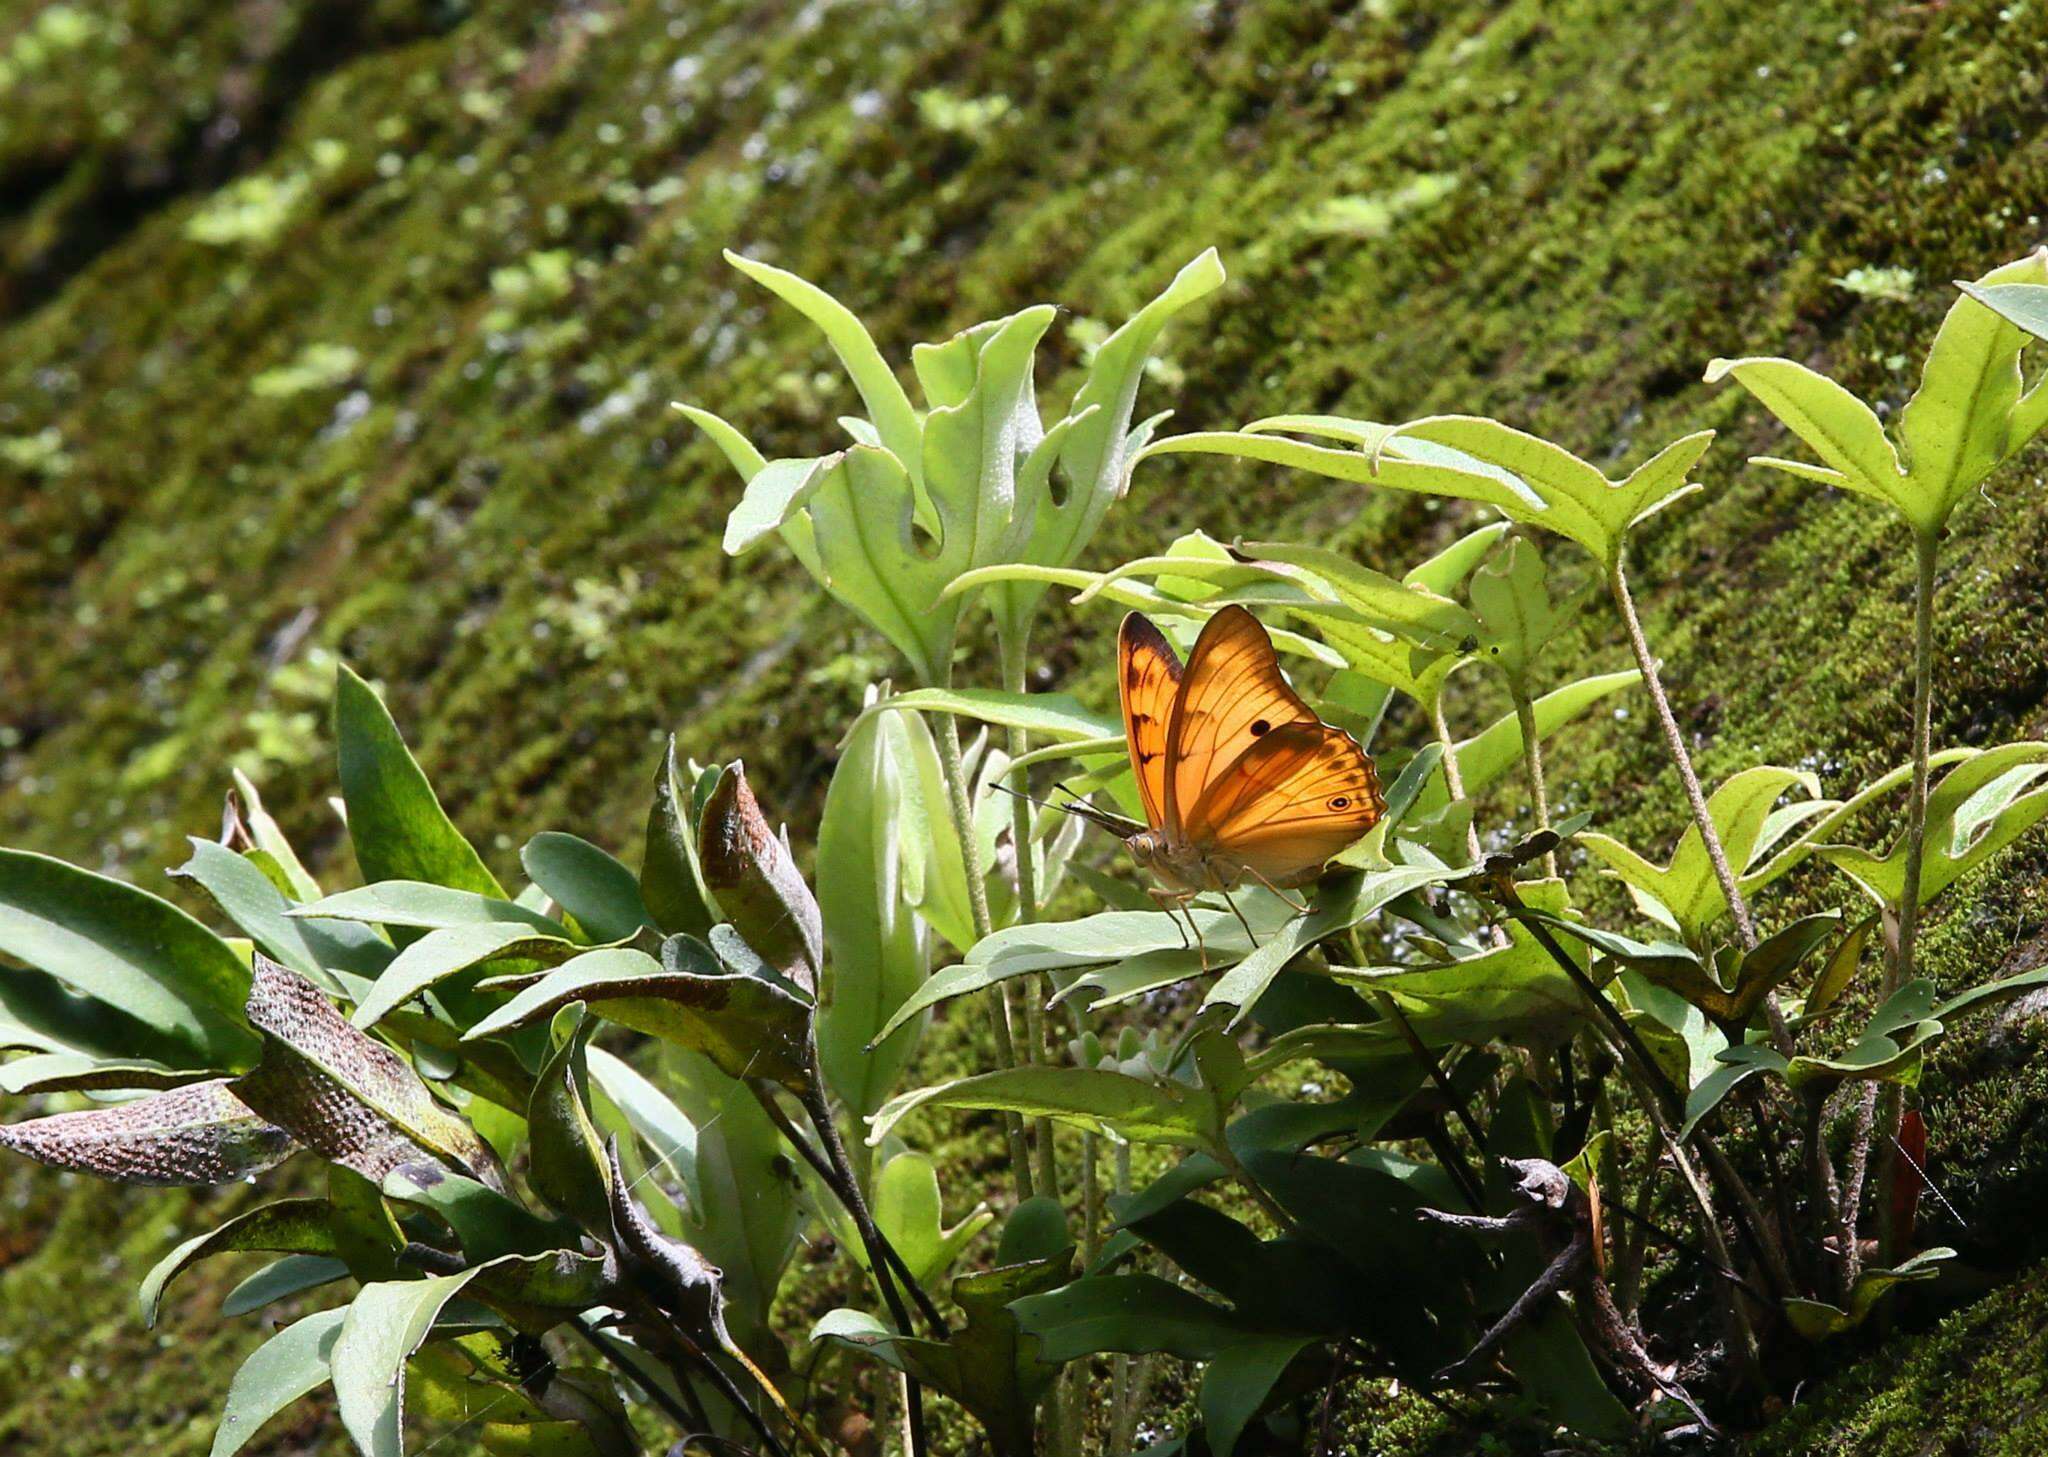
x=1454, y=776
x=1014, y=656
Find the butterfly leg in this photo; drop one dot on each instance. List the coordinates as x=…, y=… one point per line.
x=1166, y=901
x=1300, y=906
x=1240, y=918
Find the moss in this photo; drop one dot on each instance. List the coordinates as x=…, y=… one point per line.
x=1619, y=189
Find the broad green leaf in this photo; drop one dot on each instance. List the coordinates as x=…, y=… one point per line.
x=910, y=1214
x=289, y=1226
x=284, y=1368
x=1838, y=427
x=748, y=1026
x=567, y=1167
x=1570, y=497
x=77, y=1072
x=1497, y=750
x=39, y=1013
x=1890, y=1049
x=1686, y=886
x=487, y=1223
x=383, y=1327
x=349, y=1098
x=1342, y=901
x=132, y=951
x=878, y=953
x=268, y=837
x=453, y=950
x=397, y=826
x=1048, y=715
x=245, y=894
x=1091, y=1099
x=1818, y=1321
x=1364, y=468
x=895, y=419
x=1236, y=1383
x=1957, y=427
x=1445, y=572
x=713, y=1138
x=1515, y=993
x=1737, y=1065
x=419, y=904
x=280, y=1280
x=1134, y=1314
x=589, y=884
x=1979, y=807
x=671, y=882
x=199, y=1134
x=1518, y=620
x=995, y=1369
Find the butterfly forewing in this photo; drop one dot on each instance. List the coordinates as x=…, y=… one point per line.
x=1148, y=677
x=1231, y=696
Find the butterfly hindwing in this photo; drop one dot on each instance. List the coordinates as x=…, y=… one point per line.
x=1232, y=694
x=1296, y=797
x=1148, y=678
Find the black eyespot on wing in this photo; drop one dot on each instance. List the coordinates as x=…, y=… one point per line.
x=1342, y=801
x=1260, y=726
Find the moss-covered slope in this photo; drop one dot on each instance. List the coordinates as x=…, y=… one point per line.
x=351, y=328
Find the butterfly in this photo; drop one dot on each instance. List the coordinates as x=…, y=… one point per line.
x=1240, y=780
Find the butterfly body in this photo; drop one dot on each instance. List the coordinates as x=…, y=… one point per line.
x=1240, y=780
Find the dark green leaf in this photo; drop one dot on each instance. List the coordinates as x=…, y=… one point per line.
x=589, y=884
x=290, y=1226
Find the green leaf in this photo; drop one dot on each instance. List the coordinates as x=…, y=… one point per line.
x=384, y=1326
x=1818, y=1321
x=427, y=906
x=132, y=951
x=1840, y=429
x=1577, y=500
x=1091, y=1099
x=1518, y=621
x=753, y=876
x=671, y=884
x=878, y=950
x=1515, y=993
x=589, y=884
x=199, y=1134
x=451, y=951
x=280, y=1280
x=567, y=1167
x=1134, y=1314
x=249, y=899
x=1738, y=1065
x=1342, y=901
x=268, y=837
x=1686, y=887
x=911, y=1216
x=1360, y=467
x=395, y=823
x=894, y=418
x=289, y=1226
x=73, y=1072
x=747, y=1026
x=1890, y=1049
x=350, y=1099
x=1488, y=755
x=1237, y=1382
x=284, y=1368
x=1977, y=809
x=1955, y=430
x=1054, y=716
x=487, y=1223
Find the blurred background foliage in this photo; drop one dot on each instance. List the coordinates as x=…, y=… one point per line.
x=340, y=328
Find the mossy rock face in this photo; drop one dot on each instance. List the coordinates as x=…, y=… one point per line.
x=370, y=354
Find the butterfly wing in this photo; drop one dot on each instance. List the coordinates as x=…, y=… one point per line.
x=1288, y=803
x=1231, y=696
x=1148, y=674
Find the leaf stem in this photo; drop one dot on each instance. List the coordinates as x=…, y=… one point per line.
x=1674, y=740
x=1532, y=762
x=950, y=760
x=1454, y=777
x=1014, y=657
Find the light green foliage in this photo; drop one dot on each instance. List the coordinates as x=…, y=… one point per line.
x=1968, y=415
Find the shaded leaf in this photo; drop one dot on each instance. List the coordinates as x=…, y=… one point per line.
x=589, y=884
x=289, y=1226
x=1818, y=1321
x=284, y=1368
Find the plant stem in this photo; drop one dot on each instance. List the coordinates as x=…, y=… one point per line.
x=1926, y=549
x=1122, y=1419
x=950, y=759
x=1532, y=762
x=1454, y=777
x=1682, y=757
x=684, y=1409
x=1852, y=1182
x=1036, y=990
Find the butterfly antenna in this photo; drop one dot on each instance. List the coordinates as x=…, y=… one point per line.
x=1080, y=808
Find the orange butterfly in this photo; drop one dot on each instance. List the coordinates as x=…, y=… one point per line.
x=1239, y=778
